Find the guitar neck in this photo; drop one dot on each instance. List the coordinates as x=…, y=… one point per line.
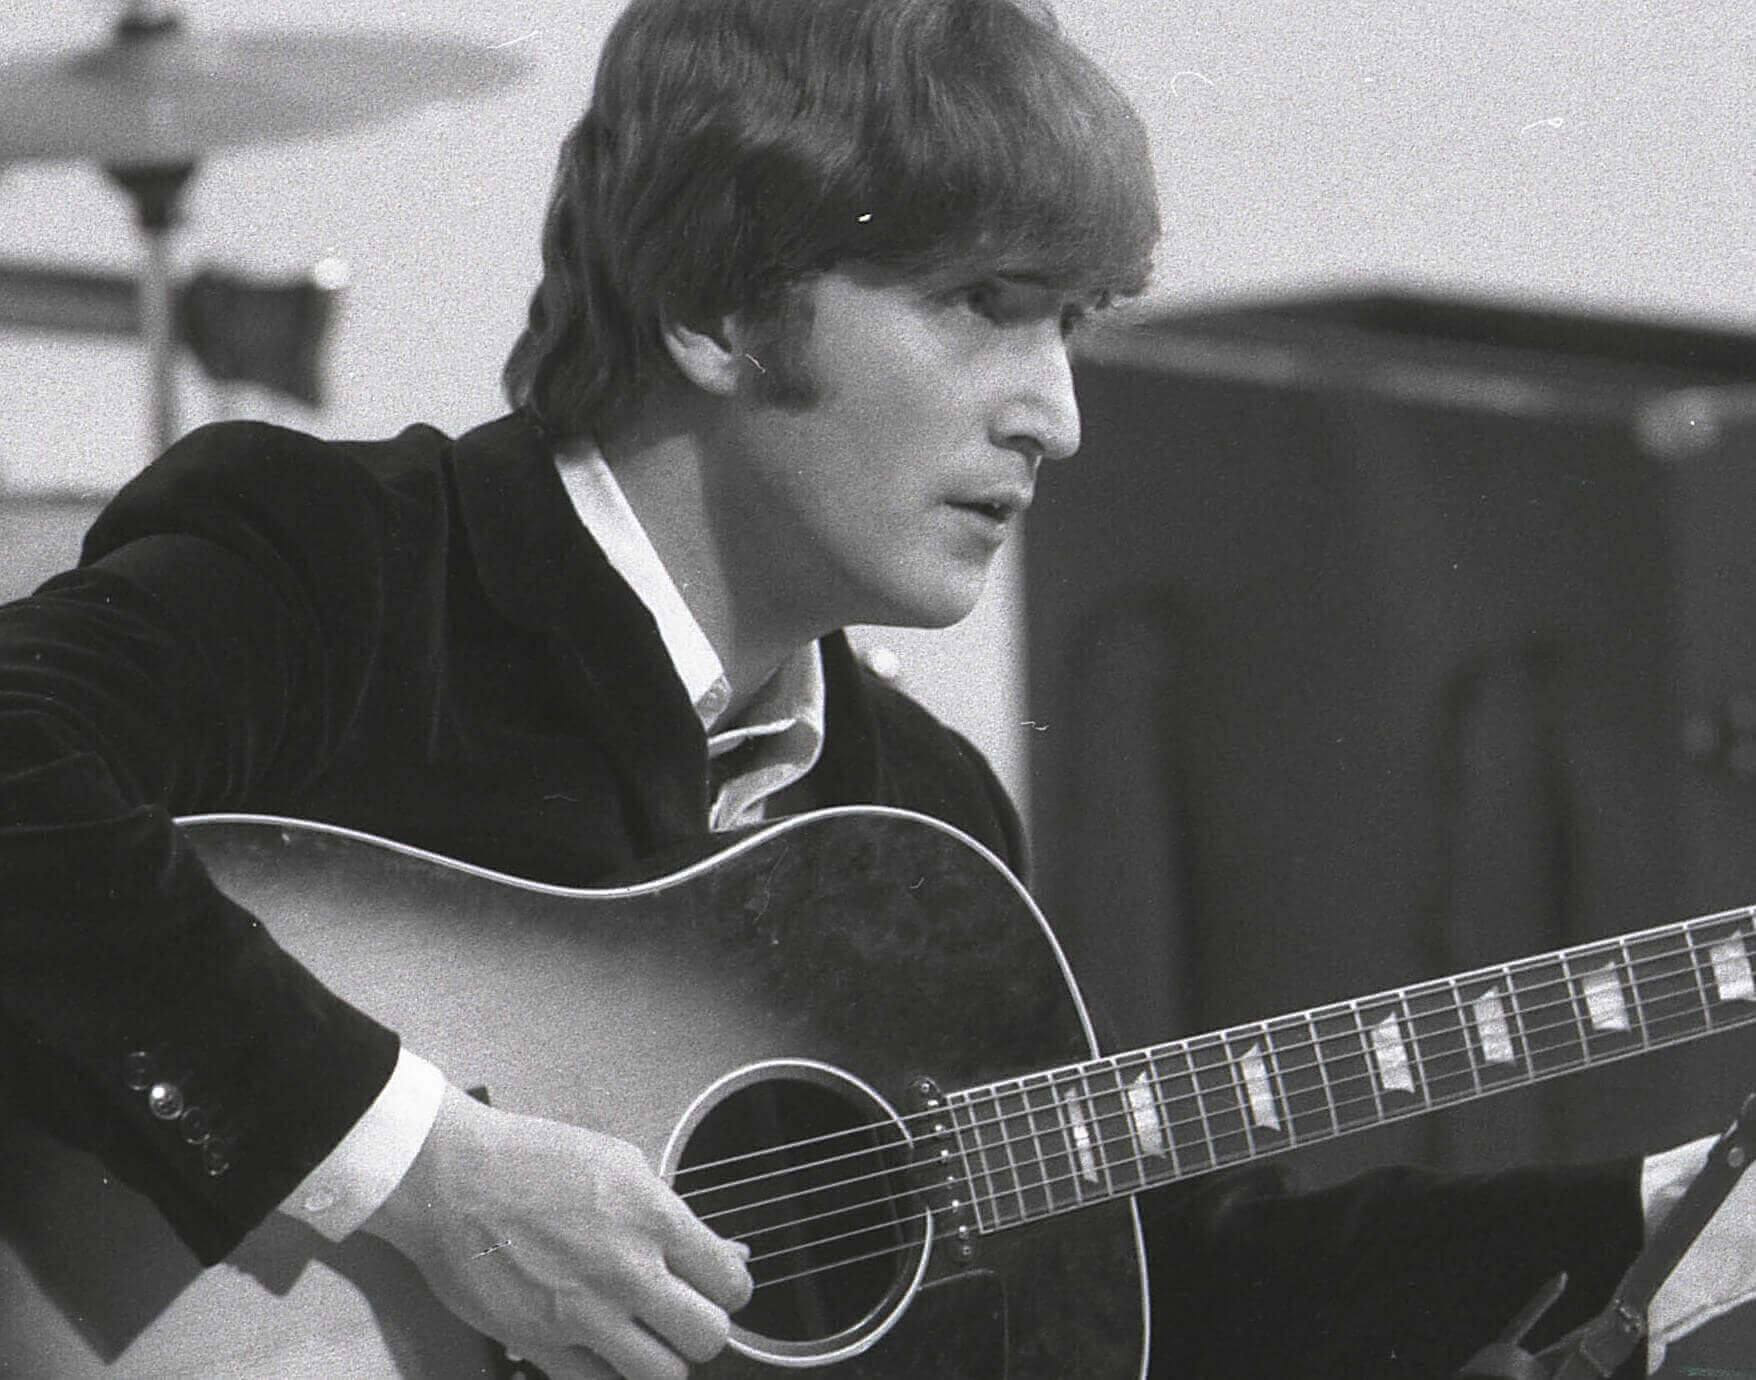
x=1051, y=1142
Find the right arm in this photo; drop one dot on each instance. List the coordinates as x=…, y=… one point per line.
x=209, y=668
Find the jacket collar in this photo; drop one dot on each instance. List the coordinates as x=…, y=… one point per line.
x=544, y=573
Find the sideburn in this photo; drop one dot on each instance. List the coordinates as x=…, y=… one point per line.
x=775, y=349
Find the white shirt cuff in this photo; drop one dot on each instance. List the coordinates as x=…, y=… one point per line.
x=1719, y=1271
x=357, y=1176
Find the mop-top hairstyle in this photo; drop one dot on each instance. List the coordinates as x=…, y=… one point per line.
x=735, y=148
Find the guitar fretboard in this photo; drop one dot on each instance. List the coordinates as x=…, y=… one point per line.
x=1055, y=1141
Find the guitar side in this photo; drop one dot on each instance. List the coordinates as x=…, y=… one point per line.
x=871, y=944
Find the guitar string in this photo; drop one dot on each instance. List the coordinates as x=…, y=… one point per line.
x=1045, y=1183
x=1055, y=1208
x=1002, y=1118
x=1651, y=1035
x=1686, y=1026
x=1220, y=1040
x=973, y=1097
x=1235, y=1116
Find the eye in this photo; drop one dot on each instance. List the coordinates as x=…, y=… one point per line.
x=984, y=299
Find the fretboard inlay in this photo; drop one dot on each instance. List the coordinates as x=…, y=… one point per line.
x=1055, y=1141
x=1602, y=988
x=1492, y=1030
x=1143, y=1113
x=1081, y=1133
x=1392, y=1057
x=1259, y=1089
x=1731, y=971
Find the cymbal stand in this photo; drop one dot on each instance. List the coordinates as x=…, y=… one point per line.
x=156, y=192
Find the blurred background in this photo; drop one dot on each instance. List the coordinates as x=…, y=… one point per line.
x=1588, y=156
x=1395, y=617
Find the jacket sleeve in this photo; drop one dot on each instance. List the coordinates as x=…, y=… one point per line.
x=196, y=661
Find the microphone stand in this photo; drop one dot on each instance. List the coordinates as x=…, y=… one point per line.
x=1595, y=1350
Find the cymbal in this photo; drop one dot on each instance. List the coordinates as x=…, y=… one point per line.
x=166, y=98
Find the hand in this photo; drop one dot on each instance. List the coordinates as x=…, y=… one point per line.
x=564, y=1245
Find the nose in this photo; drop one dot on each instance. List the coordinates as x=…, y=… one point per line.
x=1040, y=415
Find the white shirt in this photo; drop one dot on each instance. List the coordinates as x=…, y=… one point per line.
x=781, y=732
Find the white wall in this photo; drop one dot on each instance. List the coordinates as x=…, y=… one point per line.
x=1591, y=154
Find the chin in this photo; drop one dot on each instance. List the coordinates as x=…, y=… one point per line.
x=939, y=609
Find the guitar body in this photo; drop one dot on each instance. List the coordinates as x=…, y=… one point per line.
x=803, y=979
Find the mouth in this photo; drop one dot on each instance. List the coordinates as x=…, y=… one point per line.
x=998, y=508
x=993, y=512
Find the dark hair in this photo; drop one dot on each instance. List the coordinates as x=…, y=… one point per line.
x=735, y=148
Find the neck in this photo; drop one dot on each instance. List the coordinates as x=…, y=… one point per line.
x=743, y=604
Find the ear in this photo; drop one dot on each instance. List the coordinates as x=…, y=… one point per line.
x=710, y=359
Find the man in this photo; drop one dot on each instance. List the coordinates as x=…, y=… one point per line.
x=797, y=356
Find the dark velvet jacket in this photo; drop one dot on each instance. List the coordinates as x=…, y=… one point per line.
x=415, y=638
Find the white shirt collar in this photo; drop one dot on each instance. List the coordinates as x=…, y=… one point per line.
x=604, y=509
x=783, y=723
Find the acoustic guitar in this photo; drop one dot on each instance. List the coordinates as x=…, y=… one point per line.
x=850, y=1040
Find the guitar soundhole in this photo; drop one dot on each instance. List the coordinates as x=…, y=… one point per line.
x=807, y=1170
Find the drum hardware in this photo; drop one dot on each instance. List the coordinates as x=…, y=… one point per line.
x=148, y=104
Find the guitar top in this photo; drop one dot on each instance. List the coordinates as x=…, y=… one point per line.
x=778, y=1025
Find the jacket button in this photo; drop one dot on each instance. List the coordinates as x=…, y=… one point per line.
x=139, y=1069
x=165, y=1101
x=195, y=1128
x=215, y=1158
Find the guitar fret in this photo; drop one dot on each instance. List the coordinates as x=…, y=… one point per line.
x=1007, y=1147
x=1673, y=995
x=1216, y=1085
x=1700, y=977
x=1262, y=1112
x=1395, y=1073
x=1554, y=1030
x=1277, y=1080
x=1082, y=1153
x=1145, y=1127
x=963, y=1121
x=1024, y=1150
x=1111, y=1127
x=1436, y=1033
x=1185, y=1116
x=1167, y=1121
x=1576, y=999
x=1367, y=1050
x=1609, y=1002
x=1009, y=1191
x=1104, y=1108
x=1342, y=1050
x=1527, y=1065
x=1304, y=1085
x=1417, y=1065
x=1048, y=1134
x=1323, y=1073
x=1475, y=1069
x=964, y=1117
x=1241, y=1097
x=1256, y=1107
